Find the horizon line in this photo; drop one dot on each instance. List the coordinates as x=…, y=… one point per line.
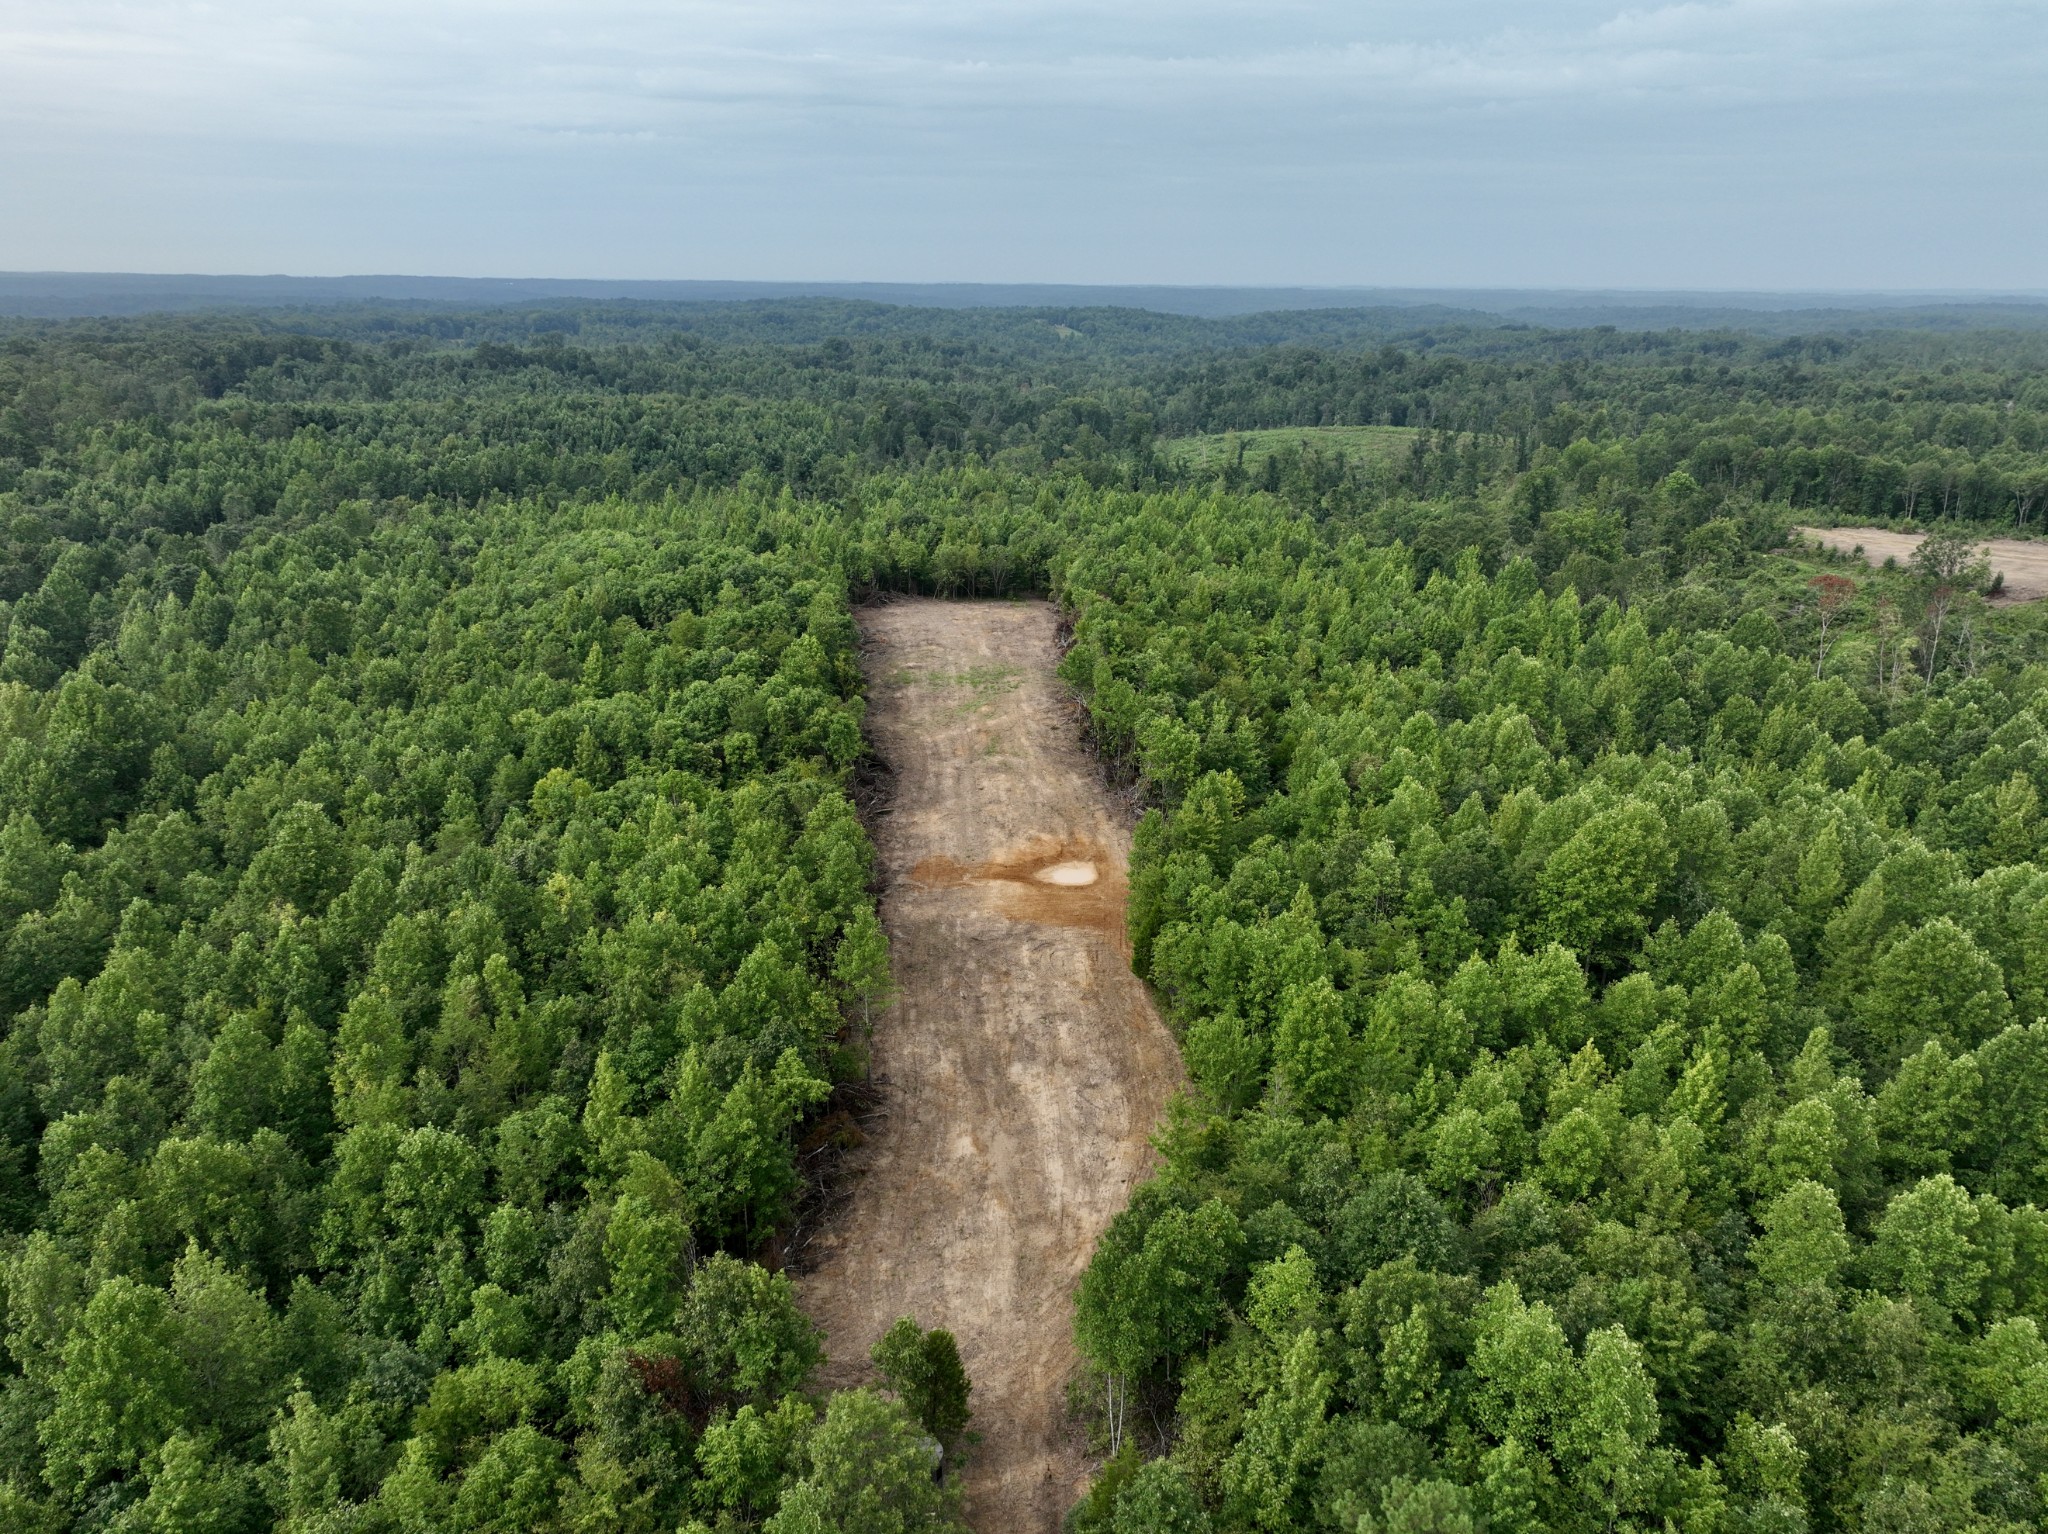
x=1613, y=290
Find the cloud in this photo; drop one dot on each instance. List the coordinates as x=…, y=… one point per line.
x=726, y=108
x=361, y=70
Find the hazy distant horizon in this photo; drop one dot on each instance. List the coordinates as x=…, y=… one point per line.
x=77, y=294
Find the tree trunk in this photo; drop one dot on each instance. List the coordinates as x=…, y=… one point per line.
x=1934, y=647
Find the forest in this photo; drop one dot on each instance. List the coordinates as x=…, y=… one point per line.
x=1608, y=946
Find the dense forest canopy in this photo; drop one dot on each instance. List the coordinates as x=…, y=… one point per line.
x=1610, y=955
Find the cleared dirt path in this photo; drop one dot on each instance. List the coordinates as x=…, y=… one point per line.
x=1025, y=1066
x=2024, y=563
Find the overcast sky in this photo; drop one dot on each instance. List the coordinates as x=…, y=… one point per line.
x=1576, y=143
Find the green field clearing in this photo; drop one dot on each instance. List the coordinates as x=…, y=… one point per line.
x=1381, y=443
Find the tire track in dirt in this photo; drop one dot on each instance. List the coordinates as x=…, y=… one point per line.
x=1025, y=1065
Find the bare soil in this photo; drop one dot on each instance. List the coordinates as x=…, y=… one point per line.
x=2023, y=562
x=1024, y=1064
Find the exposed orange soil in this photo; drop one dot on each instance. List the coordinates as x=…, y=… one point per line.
x=1060, y=881
x=1025, y=1065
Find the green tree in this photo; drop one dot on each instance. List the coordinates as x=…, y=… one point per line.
x=647, y=1244
x=744, y=1460
x=235, y=1088
x=1925, y=1245
x=1424, y=1507
x=1312, y=1051
x=190, y=1490
x=1159, y=1499
x=122, y=1392
x=1612, y=1424
x=1155, y=1288
x=867, y=1468
x=1264, y=1481
x=1595, y=892
x=1933, y=983
x=744, y=1331
x=301, y=864
x=923, y=1368
x=1804, y=1239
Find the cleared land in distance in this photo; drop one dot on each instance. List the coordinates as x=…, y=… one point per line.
x=2024, y=563
x=1377, y=443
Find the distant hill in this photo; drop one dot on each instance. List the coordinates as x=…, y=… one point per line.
x=57, y=295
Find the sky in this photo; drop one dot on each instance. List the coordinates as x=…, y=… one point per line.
x=1716, y=144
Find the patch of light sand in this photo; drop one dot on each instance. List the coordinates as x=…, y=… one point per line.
x=1072, y=875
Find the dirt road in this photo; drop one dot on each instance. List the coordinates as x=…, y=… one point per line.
x=2024, y=563
x=1025, y=1065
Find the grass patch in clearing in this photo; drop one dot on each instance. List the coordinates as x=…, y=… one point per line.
x=1377, y=443
x=984, y=682
x=984, y=678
